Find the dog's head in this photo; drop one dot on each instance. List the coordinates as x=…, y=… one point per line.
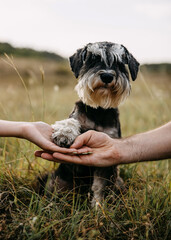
x=103, y=76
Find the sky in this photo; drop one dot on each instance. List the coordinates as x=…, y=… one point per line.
x=62, y=26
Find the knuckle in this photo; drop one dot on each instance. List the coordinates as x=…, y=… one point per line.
x=91, y=131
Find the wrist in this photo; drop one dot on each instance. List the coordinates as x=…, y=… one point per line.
x=118, y=156
x=122, y=151
x=24, y=129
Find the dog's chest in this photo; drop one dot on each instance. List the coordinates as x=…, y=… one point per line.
x=102, y=120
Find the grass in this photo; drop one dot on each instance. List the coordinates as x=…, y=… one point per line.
x=143, y=212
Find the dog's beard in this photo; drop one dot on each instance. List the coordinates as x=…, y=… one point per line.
x=93, y=92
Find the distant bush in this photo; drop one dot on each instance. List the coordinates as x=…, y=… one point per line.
x=6, y=48
x=28, y=52
x=158, y=68
x=63, y=70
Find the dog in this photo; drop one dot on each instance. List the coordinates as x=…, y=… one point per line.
x=103, y=83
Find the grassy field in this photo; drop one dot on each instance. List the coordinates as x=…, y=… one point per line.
x=143, y=212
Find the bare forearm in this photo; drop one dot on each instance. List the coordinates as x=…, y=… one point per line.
x=152, y=145
x=11, y=129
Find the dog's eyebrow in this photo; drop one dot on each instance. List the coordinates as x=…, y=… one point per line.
x=108, y=54
x=97, y=50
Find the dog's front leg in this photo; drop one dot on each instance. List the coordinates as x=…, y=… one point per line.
x=65, y=132
x=98, y=186
x=102, y=177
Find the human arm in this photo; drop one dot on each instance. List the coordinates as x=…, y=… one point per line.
x=38, y=133
x=148, y=146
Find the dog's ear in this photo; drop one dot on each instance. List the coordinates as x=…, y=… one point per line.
x=77, y=60
x=133, y=64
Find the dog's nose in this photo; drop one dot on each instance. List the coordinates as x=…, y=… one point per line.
x=106, y=77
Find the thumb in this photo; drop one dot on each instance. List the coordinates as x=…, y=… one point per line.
x=81, y=140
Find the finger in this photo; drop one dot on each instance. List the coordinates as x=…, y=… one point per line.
x=51, y=147
x=44, y=155
x=81, y=140
x=49, y=157
x=84, y=149
x=54, y=148
x=81, y=159
x=38, y=153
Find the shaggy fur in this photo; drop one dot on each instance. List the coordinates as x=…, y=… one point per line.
x=103, y=83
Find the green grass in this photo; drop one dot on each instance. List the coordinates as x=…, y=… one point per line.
x=142, y=212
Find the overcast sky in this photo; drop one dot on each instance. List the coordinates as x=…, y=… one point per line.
x=62, y=26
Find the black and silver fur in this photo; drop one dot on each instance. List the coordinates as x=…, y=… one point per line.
x=103, y=83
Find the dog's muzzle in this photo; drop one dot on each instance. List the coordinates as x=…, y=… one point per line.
x=106, y=77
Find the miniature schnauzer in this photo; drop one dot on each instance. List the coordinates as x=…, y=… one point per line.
x=103, y=83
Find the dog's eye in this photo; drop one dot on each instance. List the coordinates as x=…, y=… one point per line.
x=96, y=58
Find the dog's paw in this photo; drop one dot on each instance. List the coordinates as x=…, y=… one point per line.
x=96, y=203
x=65, y=132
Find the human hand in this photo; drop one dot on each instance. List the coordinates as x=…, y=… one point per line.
x=40, y=134
x=103, y=151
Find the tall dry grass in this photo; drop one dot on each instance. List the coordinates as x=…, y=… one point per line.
x=143, y=212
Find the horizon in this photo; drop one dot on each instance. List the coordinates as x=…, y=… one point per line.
x=66, y=58
x=64, y=26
